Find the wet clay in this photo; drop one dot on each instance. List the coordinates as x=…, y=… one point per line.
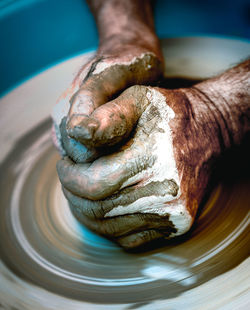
x=46, y=252
x=48, y=258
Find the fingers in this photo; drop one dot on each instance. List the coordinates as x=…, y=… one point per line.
x=104, y=176
x=93, y=210
x=123, y=199
x=101, y=87
x=129, y=230
x=89, y=180
x=138, y=239
x=108, y=173
x=113, y=121
x=74, y=149
x=121, y=226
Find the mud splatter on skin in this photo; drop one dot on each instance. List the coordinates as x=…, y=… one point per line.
x=182, y=149
x=141, y=70
x=128, y=225
x=151, y=181
x=125, y=197
x=88, y=91
x=105, y=63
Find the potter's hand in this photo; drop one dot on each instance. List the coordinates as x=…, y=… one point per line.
x=152, y=186
x=110, y=76
x=129, y=53
x=140, y=178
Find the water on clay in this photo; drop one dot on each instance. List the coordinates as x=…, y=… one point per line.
x=50, y=261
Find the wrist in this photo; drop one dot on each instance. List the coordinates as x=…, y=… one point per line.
x=231, y=108
x=225, y=100
x=204, y=123
x=125, y=25
x=129, y=42
x=115, y=16
x=219, y=120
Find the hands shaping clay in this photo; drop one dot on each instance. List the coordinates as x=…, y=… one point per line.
x=137, y=159
x=135, y=193
x=138, y=166
x=99, y=80
x=142, y=173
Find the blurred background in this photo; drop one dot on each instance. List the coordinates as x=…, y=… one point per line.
x=35, y=34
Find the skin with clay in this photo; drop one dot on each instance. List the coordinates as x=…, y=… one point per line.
x=136, y=165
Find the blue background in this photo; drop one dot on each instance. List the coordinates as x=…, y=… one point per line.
x=35, y=34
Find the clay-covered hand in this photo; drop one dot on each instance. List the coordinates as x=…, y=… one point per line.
x=100, y=80
x=129, y=53
x=151, y=186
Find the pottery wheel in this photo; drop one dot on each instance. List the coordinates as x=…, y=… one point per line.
x=50, y=261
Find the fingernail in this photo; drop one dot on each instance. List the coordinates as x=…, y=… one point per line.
x=81, y=127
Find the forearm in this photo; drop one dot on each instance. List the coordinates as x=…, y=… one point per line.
x=125, y=22
x=227, y=99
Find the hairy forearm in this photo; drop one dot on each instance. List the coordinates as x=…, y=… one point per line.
x=126, y=22
x=227, y=99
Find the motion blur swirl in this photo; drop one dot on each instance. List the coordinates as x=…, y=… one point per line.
x=49, y=260
x=43, y=243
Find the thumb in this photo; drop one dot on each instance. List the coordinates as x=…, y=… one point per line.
x=113, y=121
x=99, y=87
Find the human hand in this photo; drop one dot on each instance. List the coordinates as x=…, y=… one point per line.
x=102, y=78
x=152, y=185
x=129, y=53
